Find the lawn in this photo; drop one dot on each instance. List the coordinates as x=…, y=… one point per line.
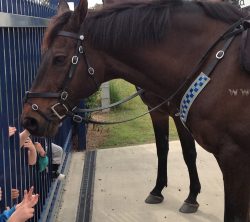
x=139, y=131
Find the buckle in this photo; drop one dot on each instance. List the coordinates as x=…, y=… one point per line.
x=74, y=60
x=77, y=119
x=81, y=49
x=64, y=95
x=53, y=108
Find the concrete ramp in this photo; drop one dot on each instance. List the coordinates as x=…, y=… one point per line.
x=125, y=176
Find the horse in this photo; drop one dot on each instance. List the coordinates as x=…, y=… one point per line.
x=160, y=121
x=169, y=48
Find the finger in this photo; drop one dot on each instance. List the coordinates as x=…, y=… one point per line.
x=25, y=196
x=30, y=192
x=33, y=200
x=25, y=192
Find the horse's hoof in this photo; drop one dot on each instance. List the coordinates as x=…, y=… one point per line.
x=188, y=208
x=152, y=199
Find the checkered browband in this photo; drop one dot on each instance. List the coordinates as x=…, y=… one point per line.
x=191, y=94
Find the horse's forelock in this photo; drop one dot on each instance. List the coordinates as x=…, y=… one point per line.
x=55, y=25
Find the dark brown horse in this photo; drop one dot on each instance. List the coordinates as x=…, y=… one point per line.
x=161, y=47
x=160, y=121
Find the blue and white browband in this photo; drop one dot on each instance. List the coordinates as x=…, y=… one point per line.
x=193, y=91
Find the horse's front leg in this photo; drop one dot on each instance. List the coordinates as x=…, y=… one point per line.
x=190, y=205
x=234, y=162
x=161, y=130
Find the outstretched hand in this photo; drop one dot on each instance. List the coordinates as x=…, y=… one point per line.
x=25, y=210
x=29, y=200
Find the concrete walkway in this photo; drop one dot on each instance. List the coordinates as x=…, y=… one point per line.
x=70, y=196
x=124, y=177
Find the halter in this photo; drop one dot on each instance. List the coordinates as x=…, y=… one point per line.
x=63, y=95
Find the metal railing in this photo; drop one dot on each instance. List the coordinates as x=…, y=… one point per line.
x=22, y=24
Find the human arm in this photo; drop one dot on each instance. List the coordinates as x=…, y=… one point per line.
x=23, y=136
x=7, y=214
x=32, y=154
x=25, y=210
x=40, y=149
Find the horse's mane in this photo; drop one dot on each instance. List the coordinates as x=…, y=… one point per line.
x=134, y=24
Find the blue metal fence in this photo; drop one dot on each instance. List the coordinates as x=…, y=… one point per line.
x=22, y=24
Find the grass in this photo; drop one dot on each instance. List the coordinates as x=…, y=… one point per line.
x=139, y=131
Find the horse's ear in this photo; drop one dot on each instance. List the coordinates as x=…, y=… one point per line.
x=81, y=12
x=62, y=7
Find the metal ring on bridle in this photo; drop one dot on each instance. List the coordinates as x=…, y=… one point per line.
x=75, y=60
x=64, y=95
x=91, y=71
x=77, y=119
x=220, y=54
x=34, y=107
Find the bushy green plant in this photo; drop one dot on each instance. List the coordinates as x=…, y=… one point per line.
x=120, y=89
x=94, y=100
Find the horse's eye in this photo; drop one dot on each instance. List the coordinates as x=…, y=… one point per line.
x=59, y=60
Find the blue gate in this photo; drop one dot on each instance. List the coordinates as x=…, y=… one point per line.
x=22, y=24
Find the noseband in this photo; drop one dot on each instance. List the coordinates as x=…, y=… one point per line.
x=63, y=95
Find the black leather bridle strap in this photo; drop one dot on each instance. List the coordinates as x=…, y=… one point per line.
x=70, y=35
x=29, y=95
x=219, y=55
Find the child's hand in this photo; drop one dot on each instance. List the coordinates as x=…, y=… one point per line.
x=29, y=144
x=25, y=210
x=14, y=193
x=12, y=130
x=40, y=149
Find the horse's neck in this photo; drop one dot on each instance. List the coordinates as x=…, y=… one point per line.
x=161, y=68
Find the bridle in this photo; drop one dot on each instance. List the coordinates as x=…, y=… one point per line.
x=63, y=95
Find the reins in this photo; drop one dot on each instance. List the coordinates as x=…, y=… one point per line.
x=120, y=102
x=75, y=112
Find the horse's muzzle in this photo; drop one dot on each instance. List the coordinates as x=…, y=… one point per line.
x=38, y=126
x=30, y=124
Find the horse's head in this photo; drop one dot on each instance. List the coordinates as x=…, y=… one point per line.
x=64, y=75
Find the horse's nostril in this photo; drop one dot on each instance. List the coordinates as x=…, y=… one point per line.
x=30, y=124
